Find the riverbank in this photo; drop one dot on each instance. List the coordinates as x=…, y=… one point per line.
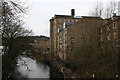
x=8, y=65
x=46, y=59
x=39, y=57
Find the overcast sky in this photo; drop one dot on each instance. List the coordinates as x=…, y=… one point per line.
x=41, y=11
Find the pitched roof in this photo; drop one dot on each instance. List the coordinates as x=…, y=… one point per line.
x=90, y=17
x=68, y=16
x=64, y=16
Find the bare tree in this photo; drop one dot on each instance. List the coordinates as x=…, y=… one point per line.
x=110, y=9
x=11, y=21
x=97, y=11
x=11, y=26
x=104, y=12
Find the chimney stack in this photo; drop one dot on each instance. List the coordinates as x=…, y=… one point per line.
x=72, y=12
x=114, y=14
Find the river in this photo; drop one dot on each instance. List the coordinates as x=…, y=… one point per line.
x=0, y=66
x=28, y=68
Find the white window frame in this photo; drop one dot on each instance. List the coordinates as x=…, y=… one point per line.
x=109, y=36
x=114, y=25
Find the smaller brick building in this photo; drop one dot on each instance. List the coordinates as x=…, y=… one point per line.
x=42, y=44
x=109, y=34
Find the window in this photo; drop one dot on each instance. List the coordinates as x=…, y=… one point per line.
x=64, y=20
x=60, y=25
x=65, y=34
x=114, y=25
x=117, y=40
x=101, y=30
x=108, y=28
x=113, y=44
x=71, y=50
x=101, y=38
x=73, y=21
x=117, y=45
x=72, y=40
x=114, y=35
x=108, y=37
x=68, y=20
x=76, y=20
x=55, y=21
x=64, y=25
x=102, y=47
x=82, y=38
x=60, y=20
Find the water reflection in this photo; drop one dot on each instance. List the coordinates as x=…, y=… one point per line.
x=29, y=68
x=0, y=66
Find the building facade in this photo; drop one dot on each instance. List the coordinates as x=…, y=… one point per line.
x=89, y=45
x=109, y=34
x=56, y=24
x=72, y=38
x=110, y=44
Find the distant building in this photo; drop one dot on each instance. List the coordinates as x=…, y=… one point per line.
x=109, y=34
x=42, y=44
x=56, y=24
x=39, y=43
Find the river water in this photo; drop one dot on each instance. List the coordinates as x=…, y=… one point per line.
x=29, y=68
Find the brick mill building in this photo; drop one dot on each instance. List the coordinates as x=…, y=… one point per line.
x=56, y=24
x=72, y=39
x=87, y=44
